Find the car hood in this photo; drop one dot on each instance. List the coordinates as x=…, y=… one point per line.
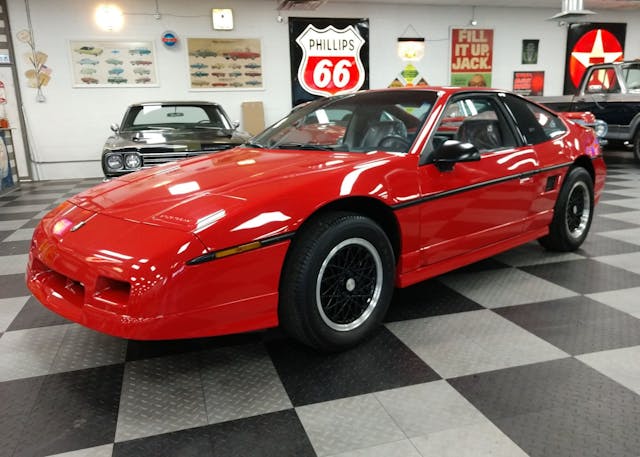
x=195, y=139
x=194, y=194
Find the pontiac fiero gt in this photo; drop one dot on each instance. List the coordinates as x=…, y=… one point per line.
x=313, y=223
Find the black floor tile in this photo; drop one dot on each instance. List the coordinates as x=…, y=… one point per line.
x=33, y=223
x=558, y=408
x=137, y=350
x=13, y=286
x=17, y=216
x=597, y=245
x=14, y=247
x=426, y=299
x=73, y=410
x=608, y=196
x=585, y=276
x=482, y=265
x=606, y=208
x=381, y=363
x=16, y=400
x=268, y=435
x=577, y=325
x=33, y=314
x=606, y=224
x=192, y=442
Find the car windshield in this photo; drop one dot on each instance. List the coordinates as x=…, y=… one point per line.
x=361, y=122
x=175, y=117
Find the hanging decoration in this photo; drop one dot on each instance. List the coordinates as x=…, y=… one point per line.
x=39, y=74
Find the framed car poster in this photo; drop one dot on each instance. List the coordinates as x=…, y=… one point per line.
x=224, y=63
x=113, y=63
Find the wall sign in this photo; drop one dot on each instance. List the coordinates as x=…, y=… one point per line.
x=169, y=39
x=590, y=43
x=471, y=57
x=328, y=57
x=528, y=83
x=113, y=63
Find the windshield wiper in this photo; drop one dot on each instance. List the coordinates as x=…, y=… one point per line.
x=307, y=146
x=251, y=144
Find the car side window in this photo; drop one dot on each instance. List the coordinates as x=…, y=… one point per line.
x=536, y=124
x=631, y=75
x=602, y=81
x=477, y=120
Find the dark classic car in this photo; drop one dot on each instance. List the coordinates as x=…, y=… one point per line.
x=160, y=132
x=312, y=223
x=611, y=91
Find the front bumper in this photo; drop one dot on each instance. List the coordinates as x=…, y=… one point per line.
x=131, y=280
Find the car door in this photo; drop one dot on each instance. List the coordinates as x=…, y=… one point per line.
x=602, y=96
x=479, y=203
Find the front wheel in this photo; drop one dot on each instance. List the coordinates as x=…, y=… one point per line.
x=573, y=213
x=337, y=282
x=636, y=146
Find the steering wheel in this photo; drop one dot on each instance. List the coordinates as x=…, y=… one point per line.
x=394, y=143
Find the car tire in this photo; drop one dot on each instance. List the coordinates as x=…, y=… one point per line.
x=337, y=281
x=573, y=213
x=636, y=146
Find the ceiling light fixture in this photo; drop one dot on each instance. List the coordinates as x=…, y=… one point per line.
x=109, y=17
x=411, y=48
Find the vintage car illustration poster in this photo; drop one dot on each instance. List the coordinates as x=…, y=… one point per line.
x=113, y=63
x=328, y=57
x=471, y=57
x=589, y=43
x=221, y=63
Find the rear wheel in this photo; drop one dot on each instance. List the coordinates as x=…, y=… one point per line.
x=572, y=214
x=337, y=282
x=636, y=146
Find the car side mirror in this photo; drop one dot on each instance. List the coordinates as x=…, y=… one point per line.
x=452, y=151
x=115, y=128
x=235, y=125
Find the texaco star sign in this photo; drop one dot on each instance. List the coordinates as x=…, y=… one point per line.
x=595, y=46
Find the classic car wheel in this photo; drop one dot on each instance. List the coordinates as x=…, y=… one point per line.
x=636, y=146
x=572, y=214
x=337, y=282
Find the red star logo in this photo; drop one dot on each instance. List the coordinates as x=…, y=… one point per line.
x=595, y=46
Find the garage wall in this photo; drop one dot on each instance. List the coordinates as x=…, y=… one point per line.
x=67, y=131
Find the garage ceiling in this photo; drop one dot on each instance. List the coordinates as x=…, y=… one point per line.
x=588, y=4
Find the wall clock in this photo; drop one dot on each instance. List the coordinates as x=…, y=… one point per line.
x=222, y=18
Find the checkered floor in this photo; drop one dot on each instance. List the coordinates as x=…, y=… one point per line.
x=527, y=353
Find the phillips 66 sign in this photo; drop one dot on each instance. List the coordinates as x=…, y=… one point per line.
x=327, y=57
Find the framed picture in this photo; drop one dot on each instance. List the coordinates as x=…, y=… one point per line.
x=113, y=63
x=530, y=51
x=528, y=83
x=471, y=57
x=224, y=63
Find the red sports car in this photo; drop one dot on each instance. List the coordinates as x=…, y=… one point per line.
x=313, y=223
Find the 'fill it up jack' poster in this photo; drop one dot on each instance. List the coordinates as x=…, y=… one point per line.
x=471, y=57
